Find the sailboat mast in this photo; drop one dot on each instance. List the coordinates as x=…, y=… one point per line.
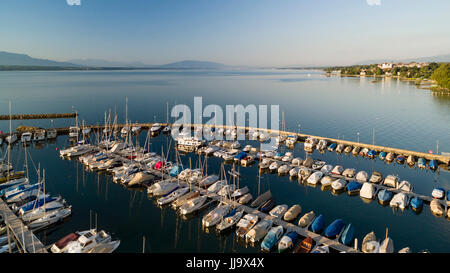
x=10, y=137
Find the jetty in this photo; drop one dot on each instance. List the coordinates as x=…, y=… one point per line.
x=38, y=116
x=25, y=239
x=443, y=159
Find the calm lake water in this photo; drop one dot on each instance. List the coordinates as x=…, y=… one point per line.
x=398, y=113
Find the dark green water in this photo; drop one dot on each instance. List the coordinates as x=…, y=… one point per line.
x=401, y=115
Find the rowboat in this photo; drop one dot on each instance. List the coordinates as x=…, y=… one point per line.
x=305, y=246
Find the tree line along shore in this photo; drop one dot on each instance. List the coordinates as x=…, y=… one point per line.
x=435, y=76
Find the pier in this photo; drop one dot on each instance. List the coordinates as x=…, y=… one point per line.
x=443, y=159
x=38, y=116
x=25, y=239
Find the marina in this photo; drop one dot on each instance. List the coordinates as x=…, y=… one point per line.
x=184, y=233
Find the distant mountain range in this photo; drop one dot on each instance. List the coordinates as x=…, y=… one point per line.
x=437, y=58
x=7, y=58
x=14, y=59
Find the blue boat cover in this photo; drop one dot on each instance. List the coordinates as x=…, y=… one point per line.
x=416, y=203
x=384, y=195
x=353, y=186
x=333, y=145
x=334, y=228
x=348, y=235
x=37, y=203
x=241, y=155
x=174, y=171
x=318, y=223
x=372, y=153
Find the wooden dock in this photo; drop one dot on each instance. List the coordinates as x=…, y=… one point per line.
x=26, y=239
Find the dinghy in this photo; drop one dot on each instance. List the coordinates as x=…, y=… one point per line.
x=348, y=149
x=382, y=155
x=326, y=182
x=305, y=246
x=400, y=159
x=303, y=173
x=326, y=169
x=356, y=150
x=317, y=164
x=372, y=154
x=340, y=148
x=332, y=147
x=338, y=185
x=390, y=157
x=411, y=160
x=422, y=163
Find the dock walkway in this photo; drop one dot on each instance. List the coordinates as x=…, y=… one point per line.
x=29, y=243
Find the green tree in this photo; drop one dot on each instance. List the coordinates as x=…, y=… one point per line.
x=442, y=75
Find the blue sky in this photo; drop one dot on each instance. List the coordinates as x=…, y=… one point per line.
x=234, y=32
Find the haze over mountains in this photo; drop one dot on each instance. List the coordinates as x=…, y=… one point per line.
x=15, y=59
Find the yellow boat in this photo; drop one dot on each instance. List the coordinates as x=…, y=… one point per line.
x=13, y=176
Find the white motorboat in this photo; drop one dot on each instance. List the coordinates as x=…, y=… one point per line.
x=362, y=176
x=292, y=213
x=322, y=145
x=405, y=186
x=259, y=231
x=367, y=191
x=326, y=169
x=26, y=137
x=74, y=131
x=326, y=181
x=245, y=224
x=297, y=161
x=310, y=144
x=304, y=173
x=314, y=178
x=349, y=173
x=400, y=200
x=193, y=205
x=284, y=169
x=51, y=133
x=172, y=196
x=391, y=181
x=436, y=207
x=245, y=199
x=88, y=242
x=338, y=185
x=155, y=127
x=274, y=166
x=318, y=164
x=340, y=148
x=216, y=215
x=278, y=211
x=294, y=172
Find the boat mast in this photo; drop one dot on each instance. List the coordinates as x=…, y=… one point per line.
x=10, y=137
